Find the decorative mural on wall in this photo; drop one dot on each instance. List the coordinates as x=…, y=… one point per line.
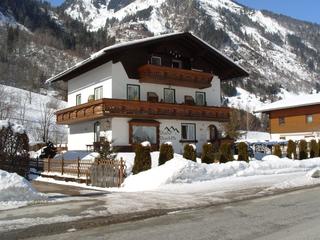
x=169, y=133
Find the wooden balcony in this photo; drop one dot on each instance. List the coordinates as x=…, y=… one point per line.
x=174, y=76
x=139, y=109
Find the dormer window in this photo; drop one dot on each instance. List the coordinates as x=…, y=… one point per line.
x=155, y=60
x=176, y=63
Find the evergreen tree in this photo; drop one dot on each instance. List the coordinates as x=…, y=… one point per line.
x=142, y=159
x=292, y=150
x=314, y=149
x=207, y=155
x=243, y=152
x=189, y=152
x=303, y=150
x=166, y=153
x=225, y=153
x=277, y=151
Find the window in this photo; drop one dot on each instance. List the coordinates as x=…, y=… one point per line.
x=78, y=99
x=98, y=93
x=188, y=131
x=309, y=118
x=176, y=63
x=143, y=130
x=169, y=95
x=144, y=133
x=201, y=98
x=213, y=133
x=282, y=121
x=133, y=92
x=97, y=132
x=156, y=60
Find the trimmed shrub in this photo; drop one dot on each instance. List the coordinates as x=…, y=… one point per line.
x=303, y=149
x=189, y=152
x=243, y=152
x=142, y=159
x=277, y=151
x=207, y=155
x=292, y=150
x=314, y=149
x=225, y=153
x=166, y=153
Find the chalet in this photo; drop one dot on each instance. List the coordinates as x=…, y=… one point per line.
x=159, y=89
x=294, y=118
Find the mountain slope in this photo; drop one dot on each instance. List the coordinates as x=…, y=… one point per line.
x=277, y=50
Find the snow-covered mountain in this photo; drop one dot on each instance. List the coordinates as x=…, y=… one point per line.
x=278, y=51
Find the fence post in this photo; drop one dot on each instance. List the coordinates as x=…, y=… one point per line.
x=78, y=167
x=121, y=169
x=62, y=163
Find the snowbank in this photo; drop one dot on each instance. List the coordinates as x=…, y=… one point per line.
x=180, y=170
x=15, y=191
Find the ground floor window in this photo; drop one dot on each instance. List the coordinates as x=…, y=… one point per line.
x=96, y=131
x=213, y=133
x=144, y=130
x=188, y=131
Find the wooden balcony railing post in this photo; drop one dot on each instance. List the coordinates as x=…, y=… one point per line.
x=62, y=165
x=78, y=161
x=48, y=164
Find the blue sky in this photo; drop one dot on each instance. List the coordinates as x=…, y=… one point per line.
x=302, y=9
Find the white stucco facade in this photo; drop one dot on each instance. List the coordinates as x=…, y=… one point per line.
x=113, y=79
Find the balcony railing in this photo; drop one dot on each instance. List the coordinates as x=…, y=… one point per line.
x=140, y=109
x=174, y=76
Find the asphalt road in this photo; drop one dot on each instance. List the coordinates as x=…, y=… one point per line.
x=294, y=215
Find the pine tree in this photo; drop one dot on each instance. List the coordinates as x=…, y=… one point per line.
x=189, y=152
x=243, y=152
x=142, y=159
x=292, y=150
x=314, y=149
x=166, y=153
x=207, y=155
x=225, y=153
x=277, y=151
x=303, y=150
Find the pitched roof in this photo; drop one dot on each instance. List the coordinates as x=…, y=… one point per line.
x=292, y=102
x=106, y=54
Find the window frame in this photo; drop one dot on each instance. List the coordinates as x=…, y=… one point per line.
x=158, y=58
x=146, y=123
x=96, y=88
x=78, y=97
x=174, y=95
x=188, y=139
x=204, y=98
x=139, y=95
x=281, y=121
x=176, y=61
x=307, y=118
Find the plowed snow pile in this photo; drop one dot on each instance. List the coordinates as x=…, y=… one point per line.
x=180, y=170
x=16, y=191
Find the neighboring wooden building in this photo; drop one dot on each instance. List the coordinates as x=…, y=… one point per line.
x=294, y=118
x=159, y=89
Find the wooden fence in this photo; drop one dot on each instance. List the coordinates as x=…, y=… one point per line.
x=100, y=173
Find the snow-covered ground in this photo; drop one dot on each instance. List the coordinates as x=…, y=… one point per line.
x=29, y=108
x=16, y=191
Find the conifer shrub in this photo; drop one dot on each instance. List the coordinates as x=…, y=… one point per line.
x=166, y=153
x=243, y=152
x=142, y=159
x=277, y=151
x=303, y=149
x=225, y=153
x=189, y=152
x=292, y=150
x=208, y=153
x=314, y=149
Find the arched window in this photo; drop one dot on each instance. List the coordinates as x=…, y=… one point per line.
x=97, y=132
x=213, y=133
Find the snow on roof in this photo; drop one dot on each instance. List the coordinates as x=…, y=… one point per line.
x=130, y=43
x=292, y=102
